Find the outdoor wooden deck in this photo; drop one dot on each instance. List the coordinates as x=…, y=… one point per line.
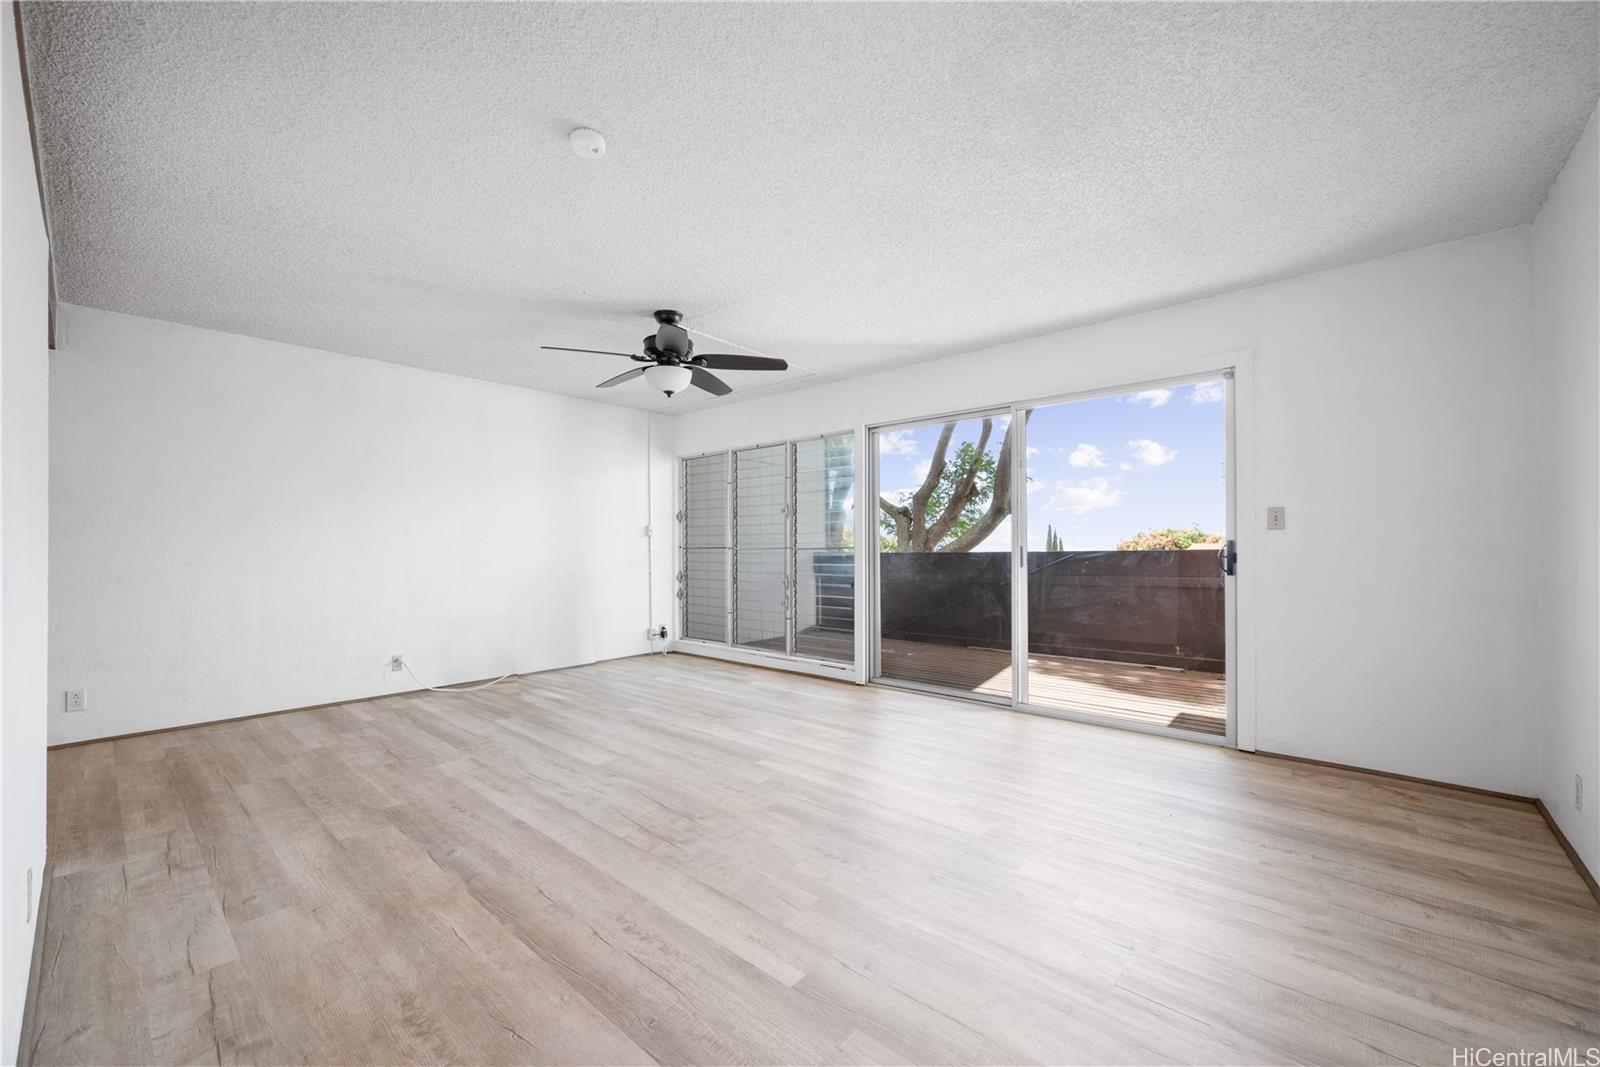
x=1152, y=696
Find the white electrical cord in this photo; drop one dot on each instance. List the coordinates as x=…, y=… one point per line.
x=725, y=341
x=453, y=689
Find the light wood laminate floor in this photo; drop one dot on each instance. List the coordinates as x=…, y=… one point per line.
x=686, y=861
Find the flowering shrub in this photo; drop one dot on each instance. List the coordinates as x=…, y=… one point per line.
x=1168, y=540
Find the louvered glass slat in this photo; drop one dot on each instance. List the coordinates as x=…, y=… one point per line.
x=761, y=547
x=705, y=548
x=824, y=565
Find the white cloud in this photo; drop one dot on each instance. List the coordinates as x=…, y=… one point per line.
x=1032, y=451
x=1211, y=392
x=1086, y=455
x=1154, y=397
x=1148, y=453
x=918, y=473
x=896, y=443
x=1084, y=497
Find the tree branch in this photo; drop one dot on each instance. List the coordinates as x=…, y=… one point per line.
x=901, y=516
x=999, y=501
x=964, y=489
x=919, y=499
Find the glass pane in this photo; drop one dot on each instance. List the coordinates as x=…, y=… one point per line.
x=1127, y=507
x=824, y=537
x=705, y=548
x=761, y=547
x=945, y=555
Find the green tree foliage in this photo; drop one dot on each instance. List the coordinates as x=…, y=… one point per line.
x=963, y=498
x=970, y=505
x=1052, y=540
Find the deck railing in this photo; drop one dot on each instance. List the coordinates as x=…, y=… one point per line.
x=1158, y=607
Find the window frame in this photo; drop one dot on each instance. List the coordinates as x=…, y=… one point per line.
x=727, y=649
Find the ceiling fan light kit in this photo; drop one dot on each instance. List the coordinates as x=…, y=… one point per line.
x=674, y=365
x=668, y=378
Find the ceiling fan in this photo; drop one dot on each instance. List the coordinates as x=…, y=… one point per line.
x=673, y=364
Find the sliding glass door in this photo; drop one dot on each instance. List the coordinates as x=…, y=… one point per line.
x=1072, y=557
x=943, y=555
x=1128, y=547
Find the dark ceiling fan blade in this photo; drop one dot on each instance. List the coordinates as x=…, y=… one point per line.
x=729, y=361
x=591, y=351
x=709, y=382
x=625, y=376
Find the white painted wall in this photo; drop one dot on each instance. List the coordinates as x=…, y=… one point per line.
x=242, y=526
x=24, y=541
x=1566, y=327
x=663, y=525
x=1389, y=406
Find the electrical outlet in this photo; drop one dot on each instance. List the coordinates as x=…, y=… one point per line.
x=1577, y=791
x=1277, y=518
x=397, y=664
x=77, y=700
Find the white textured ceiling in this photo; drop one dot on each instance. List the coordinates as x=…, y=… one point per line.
x=846, y=186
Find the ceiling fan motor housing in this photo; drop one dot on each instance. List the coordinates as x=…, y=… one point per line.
x=674, y=341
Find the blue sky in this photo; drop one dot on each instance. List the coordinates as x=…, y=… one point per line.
x=1100, y=470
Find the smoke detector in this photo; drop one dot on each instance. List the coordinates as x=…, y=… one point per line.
x=587, y=143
